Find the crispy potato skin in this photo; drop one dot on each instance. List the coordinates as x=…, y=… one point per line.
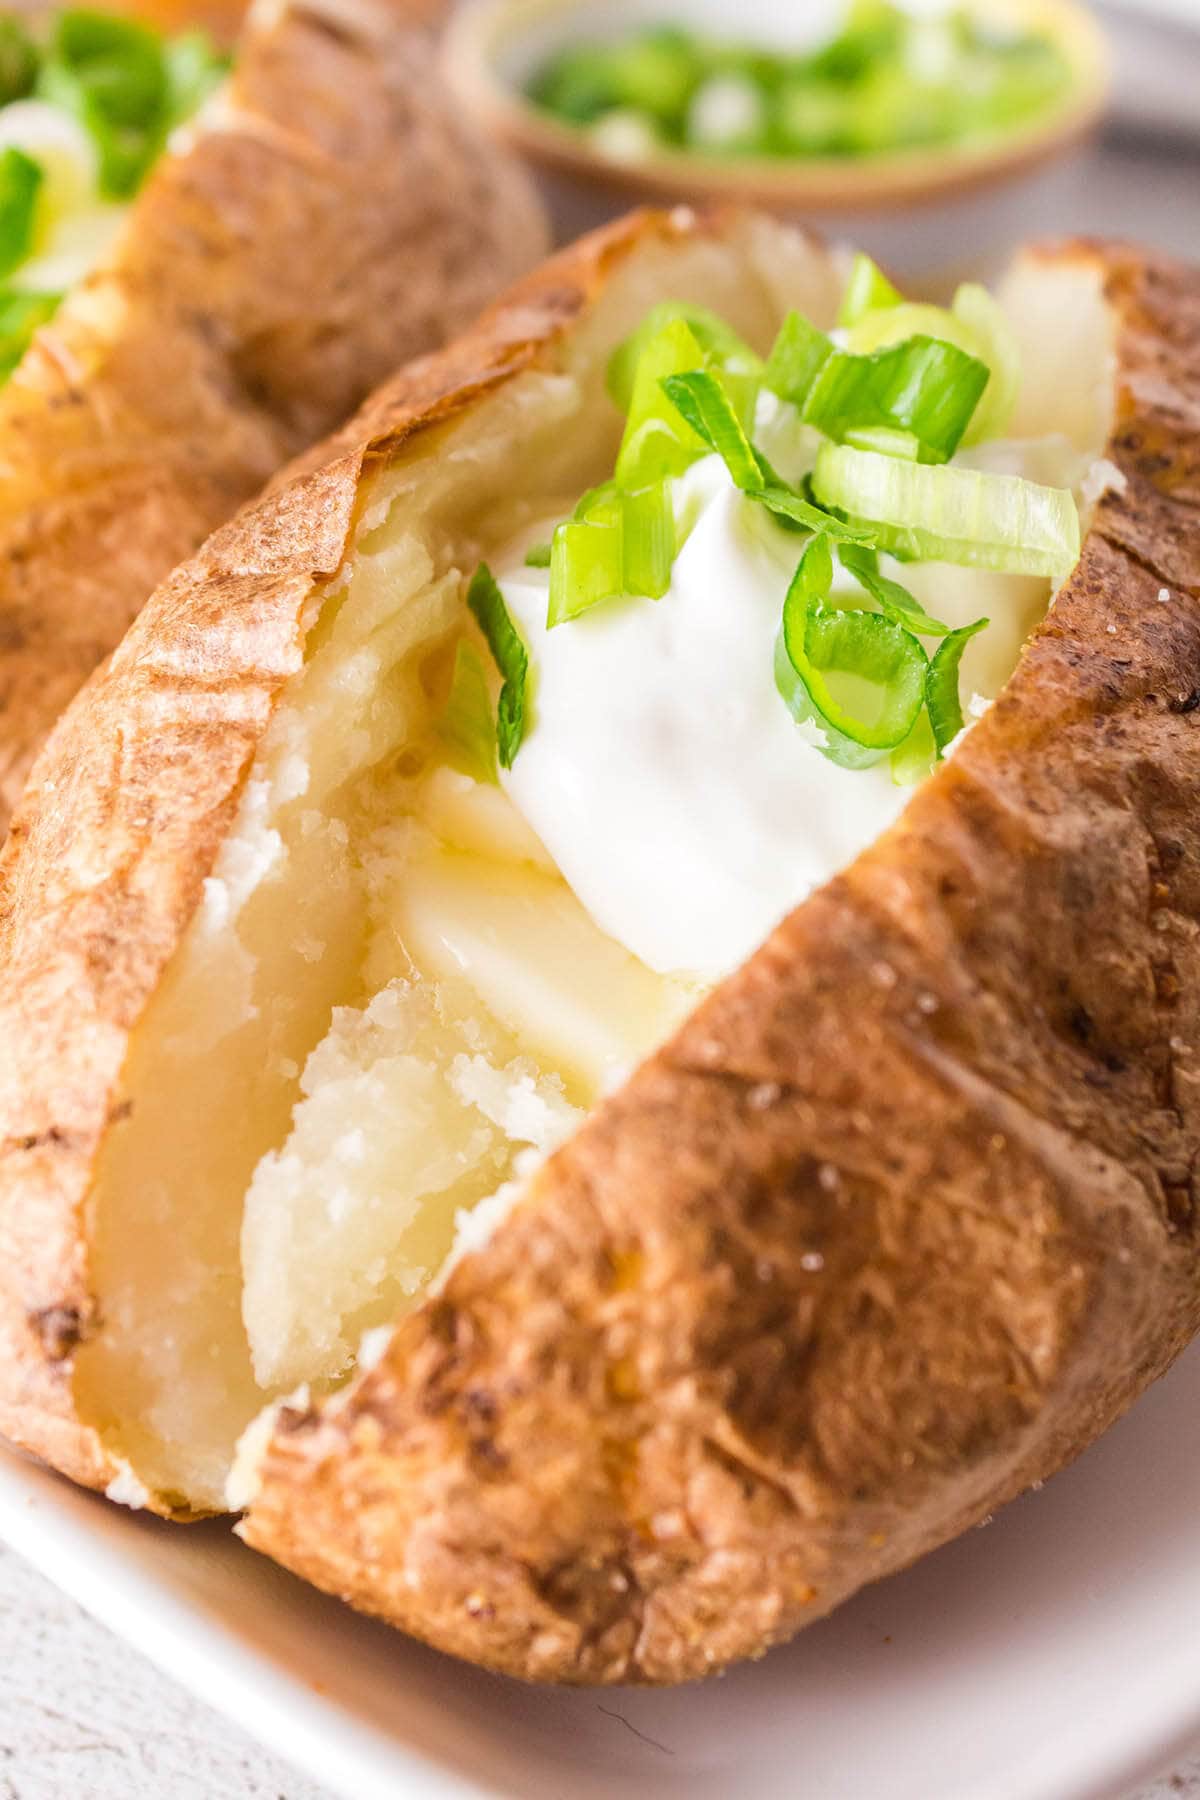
x=338, y=221
x=901, y=1219
x=105, y=858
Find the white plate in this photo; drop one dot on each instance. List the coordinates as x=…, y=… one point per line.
x=1050, y=1657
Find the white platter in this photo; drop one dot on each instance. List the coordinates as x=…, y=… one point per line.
x=1051, y=1657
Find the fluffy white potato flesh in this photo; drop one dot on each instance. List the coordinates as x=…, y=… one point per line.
x=389, y=998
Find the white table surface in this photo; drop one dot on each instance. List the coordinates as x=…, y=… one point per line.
x=83, y=1715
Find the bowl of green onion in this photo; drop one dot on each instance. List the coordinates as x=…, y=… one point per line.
x=919, y=127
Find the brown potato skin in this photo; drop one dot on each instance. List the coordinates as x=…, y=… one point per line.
x=127, y=806
x=901, y=1219
x=268, y=279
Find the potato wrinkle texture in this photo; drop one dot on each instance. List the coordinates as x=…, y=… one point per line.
x=324, y=218
x=237, y=1083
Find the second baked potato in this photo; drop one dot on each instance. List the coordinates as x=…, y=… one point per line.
x=324, y=218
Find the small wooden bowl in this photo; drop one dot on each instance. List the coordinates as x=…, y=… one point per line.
x=912, y=207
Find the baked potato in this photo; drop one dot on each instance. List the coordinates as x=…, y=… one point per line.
x=325, y=1192
x=324, y=217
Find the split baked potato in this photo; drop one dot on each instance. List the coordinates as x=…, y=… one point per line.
x=326, y=215
x=890, y=1221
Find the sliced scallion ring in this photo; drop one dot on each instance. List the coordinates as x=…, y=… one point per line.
x=868, y=290
x=922, y=389
x=658, y=442
x=941, y=685
x=466, y=726
x=893, y=600
x=701, y=400
x=710, y=331
x=913, y=396
x=964, y=516
x=857, y=676
x=976, y=324
x=797, y=357
x=615, y=544
x=916, y=757
x=20, y=182
x=509, y=655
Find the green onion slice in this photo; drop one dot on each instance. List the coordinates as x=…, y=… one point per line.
x=658, y=442
x=922, y=388
x=18, y=60
x=797, y=357
x=537, y=556
x=111, y=73
x=20, y=181
x=509, y=654
x=587, y=566
x=976, y=324
x=703, y=404
x=701, y=401
x=466, y=727
x=615, y=544
x=194, y=68
x=892, y=599
x=868, y=290
x=912, y=398
x=914, y=759
x=952, y=515
x=20, y=315
x=710, y=331
x=858, y=676
x=941, y=685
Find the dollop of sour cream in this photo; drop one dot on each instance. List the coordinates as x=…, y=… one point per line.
x=664, y=774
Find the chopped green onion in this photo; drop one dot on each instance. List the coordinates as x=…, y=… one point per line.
x=868, y=290
x=537, y=556
x=941, y=686
x=914, y=759
x=922, y=387
x=710, y=331
x=648, y=529
x=20, y=315
x=977, y=326
x=797, y=357
x=20, y=181
x=111, y=73
x=703, y=404
x=885, y=83
x=952, y=515
x=996, y=345
x=466, y=727
x=587, y=566
x=790, y=506
x=18, y=60
x=889, y=325
x=892, y=599
x=822, y=652
x=657, y=441
x=194, y=68
x=509, y=655
x=912, y=398
x=615, y=544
